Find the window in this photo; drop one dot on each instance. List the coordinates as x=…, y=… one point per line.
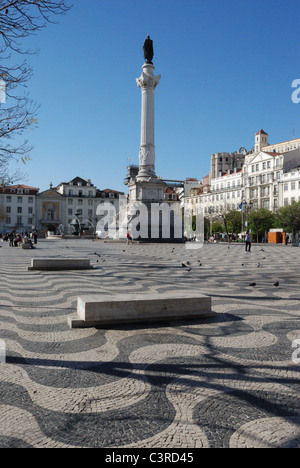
x=19, y=209
x=286, y=202
x=70, y=201
x=8, y=209
x=70, y=193
x=253, y=168
x=7, y=220
x=90, y=193
x=90, y=213
x=19, y=220
x=269, y=164
x=70, y=211
x=30, y=200
x=286, y=187
x=293, y=187
x=90, y=202
x=30, y=221
x=80, y=193
x=20, y=199
x=80, y=202
x=30, y=210
x=264, y=165
x=111, y=195
x=257, y=167
x=8, y=199
x=79, y=212
x=50, y=215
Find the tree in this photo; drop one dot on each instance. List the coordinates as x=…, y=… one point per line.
x=19, y=19
x=288, y=218
x=234, y=221
x=217, y=227
x=261, y=221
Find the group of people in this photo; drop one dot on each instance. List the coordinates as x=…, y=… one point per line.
x=16, y=239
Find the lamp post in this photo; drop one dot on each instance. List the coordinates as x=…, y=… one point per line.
x=248, y=207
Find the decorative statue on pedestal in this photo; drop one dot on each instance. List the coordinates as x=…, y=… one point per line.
x=148, y=50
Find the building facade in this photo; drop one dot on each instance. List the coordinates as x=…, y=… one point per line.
x=267, y=176
x=17, y=208
x=63, y=209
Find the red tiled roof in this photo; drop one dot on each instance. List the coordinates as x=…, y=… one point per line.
x=9, y=188
x=261, y=131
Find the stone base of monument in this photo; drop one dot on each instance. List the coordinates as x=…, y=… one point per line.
x=60, y=264
x=102, y=310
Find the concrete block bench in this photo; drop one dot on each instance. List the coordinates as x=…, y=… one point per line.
x=93, y=311
x=26, y=246
x=60, y=264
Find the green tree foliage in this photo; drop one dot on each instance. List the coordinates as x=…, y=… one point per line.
x=261, y=221
x=288, y=218
x=234, y=221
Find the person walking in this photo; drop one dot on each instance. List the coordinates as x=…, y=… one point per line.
x=248, y=242
x=129, y=238
x=287, y=238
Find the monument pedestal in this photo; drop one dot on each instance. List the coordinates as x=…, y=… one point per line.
x=151, y=218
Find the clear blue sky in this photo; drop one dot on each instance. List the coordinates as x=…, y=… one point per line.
x=227, y=67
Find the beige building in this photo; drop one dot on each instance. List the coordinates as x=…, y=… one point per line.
x=264, y=177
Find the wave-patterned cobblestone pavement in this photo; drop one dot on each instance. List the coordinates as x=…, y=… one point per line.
x=223, y=382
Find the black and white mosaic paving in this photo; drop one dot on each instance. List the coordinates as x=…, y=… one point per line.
x=229, y=381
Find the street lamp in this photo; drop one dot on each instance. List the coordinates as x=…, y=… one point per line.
x=248, y=207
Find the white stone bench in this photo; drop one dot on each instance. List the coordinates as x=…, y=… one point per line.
x=60, y=264
x=104, y=309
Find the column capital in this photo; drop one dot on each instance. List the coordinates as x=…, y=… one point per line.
x=147, y=78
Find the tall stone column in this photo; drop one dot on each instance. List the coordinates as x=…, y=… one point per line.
x=147, y=82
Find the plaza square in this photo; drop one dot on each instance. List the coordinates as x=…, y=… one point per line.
x=228, y=381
